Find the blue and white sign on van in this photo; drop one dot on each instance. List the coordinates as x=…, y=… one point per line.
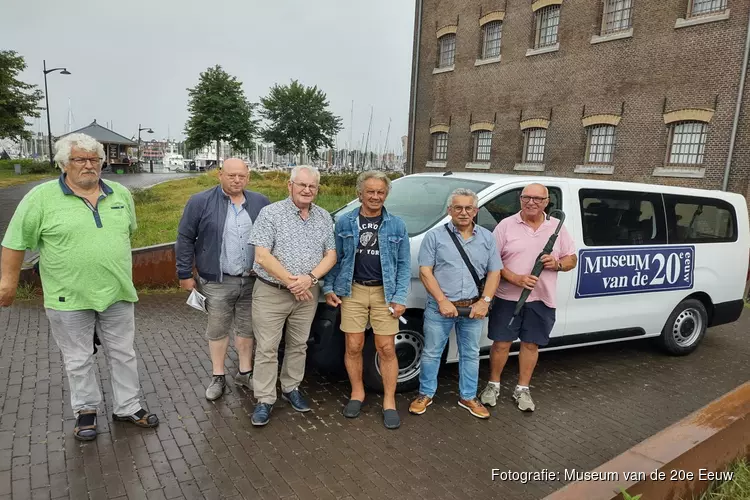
x=626, y=270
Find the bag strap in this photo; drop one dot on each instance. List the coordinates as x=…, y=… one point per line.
x=466, y=259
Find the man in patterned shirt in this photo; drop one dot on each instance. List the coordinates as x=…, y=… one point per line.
x=294, y=248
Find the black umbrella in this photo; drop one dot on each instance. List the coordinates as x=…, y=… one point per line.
x=539, y=265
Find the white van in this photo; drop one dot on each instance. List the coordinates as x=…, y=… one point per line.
x=653, y=261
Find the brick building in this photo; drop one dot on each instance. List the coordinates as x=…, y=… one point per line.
x=636, y=90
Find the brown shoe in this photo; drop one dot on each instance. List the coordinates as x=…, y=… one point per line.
x=419, y=405
x=475, y=407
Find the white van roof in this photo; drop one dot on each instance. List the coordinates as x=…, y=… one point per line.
x=501, y=179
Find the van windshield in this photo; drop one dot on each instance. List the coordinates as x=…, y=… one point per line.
x=420, y=201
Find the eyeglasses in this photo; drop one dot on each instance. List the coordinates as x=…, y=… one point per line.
x=468, y=210
x=535, y=199
x=311, y=187
x=82, y=161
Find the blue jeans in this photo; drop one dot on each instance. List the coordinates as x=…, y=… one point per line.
x=437, y=330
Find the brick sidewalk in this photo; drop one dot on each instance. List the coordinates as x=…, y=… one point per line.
x=592, y=404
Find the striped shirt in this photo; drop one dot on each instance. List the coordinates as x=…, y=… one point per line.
x=236, y=255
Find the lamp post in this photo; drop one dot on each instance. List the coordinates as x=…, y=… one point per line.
x=63, y=71
x=148, y=131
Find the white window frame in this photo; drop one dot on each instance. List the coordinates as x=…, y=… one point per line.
x=715, y=7
x=611, y=9
x=690, y=150
x=442, y=51
x=482, y=140
x=486, y=42
x=436, y=138
x=543, y=16
x=534, y=135
x=600, y=144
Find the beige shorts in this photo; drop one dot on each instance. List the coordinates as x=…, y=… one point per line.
x=367, y=303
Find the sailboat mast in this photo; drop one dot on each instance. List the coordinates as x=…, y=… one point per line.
x=385, y=148
x=368, y=137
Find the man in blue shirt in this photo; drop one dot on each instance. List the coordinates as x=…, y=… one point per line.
x=214, y=232
x=450, y=287
x=369, y=280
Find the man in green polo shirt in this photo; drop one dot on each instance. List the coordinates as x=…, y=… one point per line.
x=82, y=226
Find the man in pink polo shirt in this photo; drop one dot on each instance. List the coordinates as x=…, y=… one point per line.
x=520, y=239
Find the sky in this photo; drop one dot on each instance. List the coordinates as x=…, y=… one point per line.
x=131, y=62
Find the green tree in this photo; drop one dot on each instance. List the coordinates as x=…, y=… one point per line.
x=298, y=117
x=18, y=100
x=219, y=111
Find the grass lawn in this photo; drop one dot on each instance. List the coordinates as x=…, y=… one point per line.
x=9, y=178
x=738, y=488
x=159, y=208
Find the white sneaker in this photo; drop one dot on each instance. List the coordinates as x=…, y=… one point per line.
x=489, y=395
x=523, y=398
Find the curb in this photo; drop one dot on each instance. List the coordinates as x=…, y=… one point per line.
x=679, y=462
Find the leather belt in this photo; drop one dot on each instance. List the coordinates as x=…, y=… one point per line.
x=251, y=275
x=464, y=302
x=270, y=283
x=369, y=282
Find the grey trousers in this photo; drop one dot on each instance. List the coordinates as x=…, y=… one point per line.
x=74, y=333
x=272, y=309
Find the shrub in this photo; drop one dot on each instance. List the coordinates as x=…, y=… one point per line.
x=29, y=166
x=41, y=167
x=141, y=195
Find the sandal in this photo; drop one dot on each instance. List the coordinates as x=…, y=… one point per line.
x=141, y=418
x=85, y=429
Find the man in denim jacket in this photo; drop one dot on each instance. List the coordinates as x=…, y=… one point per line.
x=371, y=280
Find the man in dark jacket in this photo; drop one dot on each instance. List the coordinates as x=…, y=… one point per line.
x=214, y=235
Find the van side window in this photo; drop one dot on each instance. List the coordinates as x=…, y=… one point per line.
x=621, y=218
x=699, y=220
x=509, y=203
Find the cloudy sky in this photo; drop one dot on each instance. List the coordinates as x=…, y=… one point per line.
x=131, y=61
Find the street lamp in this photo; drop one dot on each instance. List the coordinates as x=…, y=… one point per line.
x=63, y=71
x=148, y=131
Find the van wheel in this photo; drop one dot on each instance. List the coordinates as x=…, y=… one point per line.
x=685, y=328
x=409, y=346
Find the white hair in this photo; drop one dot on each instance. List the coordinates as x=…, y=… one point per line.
x=313, y=171
x=65, y=145
x=372, y=174
x=463, y=192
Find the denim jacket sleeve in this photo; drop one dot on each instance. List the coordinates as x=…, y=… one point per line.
x=403, y=267
x=330, y=278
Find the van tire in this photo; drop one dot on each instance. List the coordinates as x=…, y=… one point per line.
x=409, y=347
x=685, y=328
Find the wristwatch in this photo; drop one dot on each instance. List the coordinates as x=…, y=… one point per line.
x=313, y=278
x=559, y=266
x=487, y=299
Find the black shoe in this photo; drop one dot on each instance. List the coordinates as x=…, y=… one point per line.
x=296, y=400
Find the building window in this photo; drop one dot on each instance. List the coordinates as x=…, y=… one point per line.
x=447, y=52
x=482, y=145
x=439, y=146
x=704, y=7
x=493, y=34
x=600, y=145
x=687, y=143
x=534, y=141
x=547, y=23
x=618, y=16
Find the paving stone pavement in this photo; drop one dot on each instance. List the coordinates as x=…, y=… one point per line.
x=592, y=404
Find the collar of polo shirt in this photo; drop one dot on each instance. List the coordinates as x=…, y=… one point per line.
x=67, y=191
